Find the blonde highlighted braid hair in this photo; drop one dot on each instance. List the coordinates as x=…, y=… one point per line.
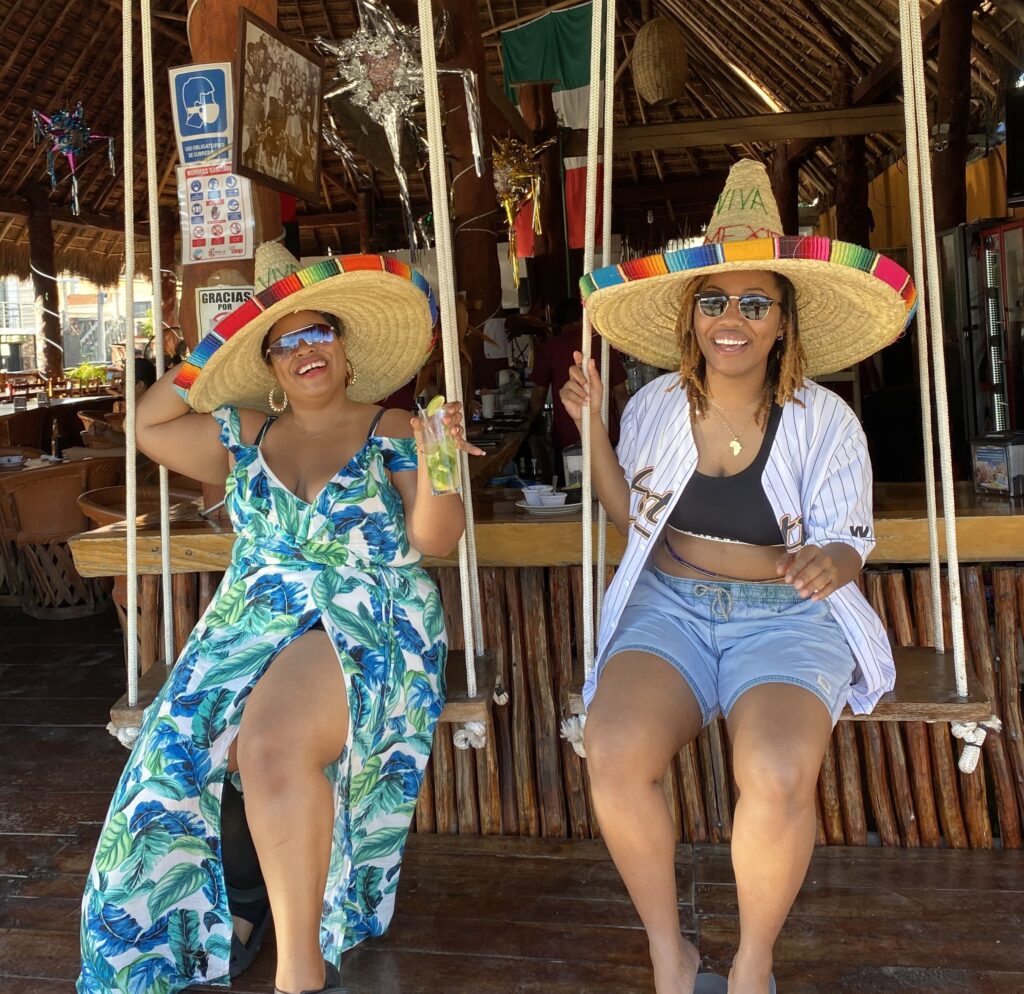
x=785, y=373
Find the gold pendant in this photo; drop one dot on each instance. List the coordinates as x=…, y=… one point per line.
x=736, y=447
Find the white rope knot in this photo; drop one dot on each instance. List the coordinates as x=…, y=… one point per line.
x=126, y=736
x=972, y=734
x=572, y=732
x=472, y=735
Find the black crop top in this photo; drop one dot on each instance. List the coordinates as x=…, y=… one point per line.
x=732, y=508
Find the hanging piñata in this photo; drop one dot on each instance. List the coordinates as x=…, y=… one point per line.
x=68, y=135
x=378, y=71
x=517, y=183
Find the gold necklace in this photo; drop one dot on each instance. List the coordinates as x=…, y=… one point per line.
x=734, y=443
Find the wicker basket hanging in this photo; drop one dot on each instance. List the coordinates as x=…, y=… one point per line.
x=659, y=63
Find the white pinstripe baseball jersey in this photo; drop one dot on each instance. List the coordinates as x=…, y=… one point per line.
x=817, y=480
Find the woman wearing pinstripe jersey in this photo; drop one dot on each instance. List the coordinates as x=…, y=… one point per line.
x=745, y=492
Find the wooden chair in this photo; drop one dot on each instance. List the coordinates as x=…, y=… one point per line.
x=44, y=514
x=25, y=428
x=10, y=587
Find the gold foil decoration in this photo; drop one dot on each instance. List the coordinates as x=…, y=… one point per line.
x=517, y=183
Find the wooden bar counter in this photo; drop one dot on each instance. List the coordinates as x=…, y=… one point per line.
x=893, y=783
x=989, y=529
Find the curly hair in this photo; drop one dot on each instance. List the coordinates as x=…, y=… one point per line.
x=785, y=373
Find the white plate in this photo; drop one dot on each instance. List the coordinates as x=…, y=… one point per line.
x=547, y=512
x=12, y=460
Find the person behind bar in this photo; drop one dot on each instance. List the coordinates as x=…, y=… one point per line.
x=315, y=677
x=745, y=491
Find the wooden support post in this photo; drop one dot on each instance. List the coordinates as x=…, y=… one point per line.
x=850, y=154
x=954, y=107
x=785, y=187
x=539, y=113
x=214, y=37
x=49, y=344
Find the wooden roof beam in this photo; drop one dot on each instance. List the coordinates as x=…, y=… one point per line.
x=495, y=93
x=840, y=42
x=810, y=124
x=682, y=193
x=876, y=82
x=19, y=207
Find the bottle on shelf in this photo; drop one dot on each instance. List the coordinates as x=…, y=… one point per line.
x=55, y=446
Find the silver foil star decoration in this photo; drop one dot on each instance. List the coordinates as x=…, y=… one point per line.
x=377, y=83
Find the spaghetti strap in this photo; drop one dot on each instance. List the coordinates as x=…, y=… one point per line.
x=376, y=421
x=263, y=430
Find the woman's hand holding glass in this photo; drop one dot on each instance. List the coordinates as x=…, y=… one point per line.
x=439, y=433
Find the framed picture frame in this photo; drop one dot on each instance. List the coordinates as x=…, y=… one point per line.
x=278, y=110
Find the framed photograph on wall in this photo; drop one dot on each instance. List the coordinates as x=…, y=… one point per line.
x=279, y=105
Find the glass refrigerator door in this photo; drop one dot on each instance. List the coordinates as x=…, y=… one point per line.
x=1013, y=316
x=994, y=332
x=960, y=321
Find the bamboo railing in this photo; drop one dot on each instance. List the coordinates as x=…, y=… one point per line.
x=886, y=783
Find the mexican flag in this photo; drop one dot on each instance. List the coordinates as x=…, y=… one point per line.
x=555, y=48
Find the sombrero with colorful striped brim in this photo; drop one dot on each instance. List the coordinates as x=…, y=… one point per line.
x=850, y=301
x=387, y=311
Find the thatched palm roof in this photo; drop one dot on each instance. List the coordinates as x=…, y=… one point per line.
x=54, y=52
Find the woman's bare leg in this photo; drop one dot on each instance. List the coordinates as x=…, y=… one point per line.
x=642, y=714
x=779, y=733
x=295, y=724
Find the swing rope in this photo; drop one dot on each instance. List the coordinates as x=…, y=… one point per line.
x=127, y=736
x=608, y=91
x=472, y=734
x=922, y=212
x=603, y=13
x=153, y=203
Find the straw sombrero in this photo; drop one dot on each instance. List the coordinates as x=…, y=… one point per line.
x=386, y=308
x=850, y=301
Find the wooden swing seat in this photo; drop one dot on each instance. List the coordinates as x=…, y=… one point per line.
x=925, y=691
x=458, y=709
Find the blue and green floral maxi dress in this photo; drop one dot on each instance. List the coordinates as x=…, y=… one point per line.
x=155, y=915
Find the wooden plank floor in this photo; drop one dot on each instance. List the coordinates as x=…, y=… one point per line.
x=474, y=914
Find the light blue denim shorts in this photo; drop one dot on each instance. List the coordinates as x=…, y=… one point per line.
x=725, y=638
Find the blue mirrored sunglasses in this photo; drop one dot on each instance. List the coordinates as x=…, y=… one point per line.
x=314, y=334
x=752, y=306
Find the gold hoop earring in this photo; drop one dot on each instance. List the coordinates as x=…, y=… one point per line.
x=277, y=409
x=351, y=377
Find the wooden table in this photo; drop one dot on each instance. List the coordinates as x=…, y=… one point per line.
x=91, y=400
x=35, y=429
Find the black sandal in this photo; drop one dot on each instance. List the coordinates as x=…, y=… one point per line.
x=332, y=982
x=252, y=906
x=243, y=879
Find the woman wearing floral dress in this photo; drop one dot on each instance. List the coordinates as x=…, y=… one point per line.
x=316, y=674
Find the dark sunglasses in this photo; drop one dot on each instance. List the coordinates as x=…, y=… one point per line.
x=753, y=306
x=314, y=334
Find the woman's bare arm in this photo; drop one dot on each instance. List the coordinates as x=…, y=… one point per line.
x=171, y=433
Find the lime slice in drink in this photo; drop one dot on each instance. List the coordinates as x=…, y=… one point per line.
x=435, y=405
